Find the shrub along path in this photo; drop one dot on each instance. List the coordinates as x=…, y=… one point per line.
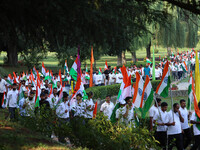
x=15, y=136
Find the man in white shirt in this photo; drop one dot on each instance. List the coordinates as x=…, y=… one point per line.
x=107, y=107
x=174, y=131
x=174, y=70
x=119, y=77
x=12, y=97
x=3, y=88
x=153, y=111
x=29, y=105
x=97, y=79
x=112, y=78
x=160, y=120
x=63, y=112
x=122, y=112
x=53, y=99
x=185, y=126
x=195, y=120
x=157, y=73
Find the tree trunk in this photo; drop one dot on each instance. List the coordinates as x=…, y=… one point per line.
x=119, y=59
x=148, y=50
x=133, y=56
x=123, y=58
x=12, y=55
x=168, y=51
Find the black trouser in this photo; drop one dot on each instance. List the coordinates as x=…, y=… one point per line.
x=161, y=136
x=178, y=141
x=196, y=142
x=12, y=111
x=187, y=136
x=1, y=97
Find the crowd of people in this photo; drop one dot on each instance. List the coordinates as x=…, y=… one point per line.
x=54, y=94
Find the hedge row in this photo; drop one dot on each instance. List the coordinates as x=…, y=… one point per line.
x=112, y=90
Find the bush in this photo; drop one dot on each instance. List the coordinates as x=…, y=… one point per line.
x=112, y=90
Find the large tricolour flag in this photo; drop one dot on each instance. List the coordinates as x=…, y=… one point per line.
x=164, y=84
x=138, y=90
x=147, y=97
x=125, y=78
x=73, y=70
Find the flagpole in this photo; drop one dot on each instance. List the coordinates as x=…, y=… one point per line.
x=154, y=97
x=171, y=101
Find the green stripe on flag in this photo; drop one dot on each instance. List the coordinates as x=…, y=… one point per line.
x=166, y=89
x=147, y=104
x=73, y=74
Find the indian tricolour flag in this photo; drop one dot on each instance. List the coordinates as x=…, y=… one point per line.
x=164, y=84
x=184, y=67
x=147, y=97
x=125, y=78
x=73, y=70
x=106, y=65
x=148, y=60
x=100, y=72
x=9, y=79
x=66, y=67
x=43, y=69
x=87, y=76
x=127, y=89
x=3, y=104
x=138, y=90
x=79, y=88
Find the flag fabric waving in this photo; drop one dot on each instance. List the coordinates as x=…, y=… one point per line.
x=66, y=70
x=164, y=84
x=197, y=77
x=73, y=70
x=138, y=90
x=43, y=69
x=147, y=97
x=106, y=65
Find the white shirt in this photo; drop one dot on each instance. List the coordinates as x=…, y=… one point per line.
x=112, y=77
x=119, y=114
x=118, y=76
x=62, y=107
x=184, y=114
x=53, y=100
x=30, y=107
x=131, y=114
x=153, y=111
x=89, y=114
x=173, y=68
x=2, y=86
x=107, y=109
x=98, y=79
x=161, y=118
x=195, y=129
x=176, y=129
x=157, y=73
x=12, y=98
x=79, y=109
